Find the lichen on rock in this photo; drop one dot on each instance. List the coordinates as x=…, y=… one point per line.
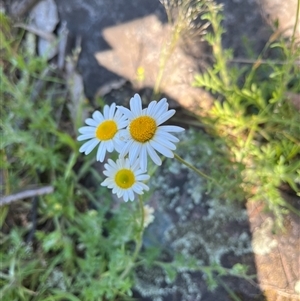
x=200, y=225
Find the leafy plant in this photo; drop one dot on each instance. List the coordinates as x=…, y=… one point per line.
x=254, y=117
x=75, y=244
x=77, y=247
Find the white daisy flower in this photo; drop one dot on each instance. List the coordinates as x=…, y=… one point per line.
x=103, y=129
x=145, y=134
x=125, y=179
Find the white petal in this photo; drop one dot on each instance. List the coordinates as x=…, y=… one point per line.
x=111, y=163
x=109, y=170
x=163, y=150
x=106, y=112
x=126, y=148
x=123, y=135
x=101, y=152
x=118, y=115
x=143, y=159
x=153, y=155
x=109, y=145
x=126, y=163
x=89, y=146
x=118, y=145
x=161, y=107
x=118, y=190
x=85, y=137
x=125, y=196
x=165, y=135
x=136, y=166
x=112, y=110
x=136, y=105
x=164, y=142
x=111, y=185
x=121, y=162
x=134, y=152
x=143, y=186
x=122, y=118
x=108, y=182
x=87, y=130
x=126, y=112
x=109, y=175
x=91, y=122
x=131, y=194
x=144, y=112
x=139, y=171
x=137, y=189
x=151, y=107
x=172, y=128
x=104, y=183
x=143, y=177
x=122, y=124
x=98, y=116
x=165, y=116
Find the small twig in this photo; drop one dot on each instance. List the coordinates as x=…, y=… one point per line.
x=62, y=45
x=50, y=37
x=25, y=195
x=33, y=219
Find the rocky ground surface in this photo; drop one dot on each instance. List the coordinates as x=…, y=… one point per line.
x=194, y=223
x=276, y=255
x=123, y=47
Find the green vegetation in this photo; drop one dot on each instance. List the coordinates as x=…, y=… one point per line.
x=255, y=117
x=85, y=247
x=81, y=245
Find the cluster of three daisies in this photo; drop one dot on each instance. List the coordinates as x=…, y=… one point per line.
x=134, y=134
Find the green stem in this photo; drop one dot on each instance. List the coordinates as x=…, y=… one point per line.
x=229, y=290
x=292, y=208
x=259, y=59
x=142, y=215
x=167, y=51
x=199, y=172
x=217, y=46
x=296, y=24
x=138, y=243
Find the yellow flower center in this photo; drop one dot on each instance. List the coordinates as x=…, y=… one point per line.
x=125, y=178
x=143, y=128
x=106, y=130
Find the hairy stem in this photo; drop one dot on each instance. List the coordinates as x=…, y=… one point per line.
x=199, y=172
x=138, y=243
